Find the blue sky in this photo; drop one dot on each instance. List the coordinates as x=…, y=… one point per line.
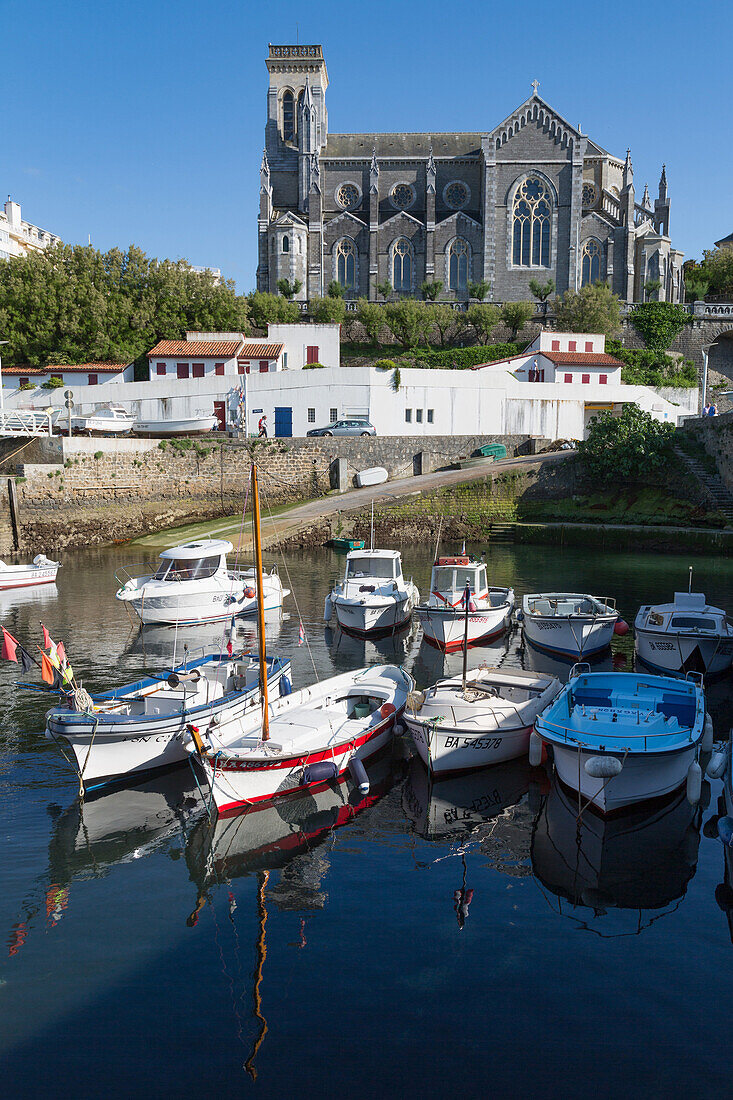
x=143, y=122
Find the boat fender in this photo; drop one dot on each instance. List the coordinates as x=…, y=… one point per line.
x=621, y=628
x=387, y=709
x=399, y=729
x=359, y=774
x=694, y=783
x=707, y=735
x=197, y=738
x=320, y=772
x=716, y=765
x=285, y=686
x=725, y=831
x=519, y=615
x=327, y=609
x=603, y=767
x=249, y=593
x=535, y=749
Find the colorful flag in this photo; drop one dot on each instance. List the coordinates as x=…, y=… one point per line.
x=301, y=633
x=25, y=659
x=61, y=653
x=46, y=638
x=9, y=644
x=47, y=670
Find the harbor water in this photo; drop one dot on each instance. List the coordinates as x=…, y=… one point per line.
x=469, y=937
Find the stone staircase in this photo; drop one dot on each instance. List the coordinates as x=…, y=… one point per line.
x=501, y=532
x=716, y=488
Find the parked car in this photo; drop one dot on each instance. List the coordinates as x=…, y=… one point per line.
x=355, y=426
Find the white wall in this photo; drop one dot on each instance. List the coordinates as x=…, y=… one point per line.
x=171, y=365
x=297, y=338
x=70, y=379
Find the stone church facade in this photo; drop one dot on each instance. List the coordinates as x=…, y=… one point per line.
x=534, y=197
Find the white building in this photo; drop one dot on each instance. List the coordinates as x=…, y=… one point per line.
x=19, y=238
x=307, y=343
x=567, y=357
x=86, y=375
x=288, y=347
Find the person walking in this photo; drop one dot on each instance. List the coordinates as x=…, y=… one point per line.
x=706, y=410
x=262, y=427
x=713, y=410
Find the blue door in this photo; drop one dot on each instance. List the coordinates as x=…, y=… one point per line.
x=283, y=421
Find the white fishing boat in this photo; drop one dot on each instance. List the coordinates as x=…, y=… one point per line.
x=133, y=730
x=373, y=597
x=181, y=425
x=687, y=635
x=194, y=584
x=459, y=725
x=569, y=624
x=620, y=738
x=41, y=571
x=311, y=737
x=443, y=616
x=106, y=419
x=375, y=475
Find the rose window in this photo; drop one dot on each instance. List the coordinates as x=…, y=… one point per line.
x=403, y=196
x=348, y=196
x=456, y=195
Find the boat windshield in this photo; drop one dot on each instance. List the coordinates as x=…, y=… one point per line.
x=187, y=569
x=692, y=622
x=383, y=568
x=452, y=578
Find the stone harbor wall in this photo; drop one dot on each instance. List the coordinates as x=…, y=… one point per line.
x=716, y=435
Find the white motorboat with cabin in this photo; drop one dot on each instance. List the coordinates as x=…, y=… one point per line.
x=181, y=425
x=106, y=419
x=133, y=730
x=309, y=738
x=193, y=584
x=687, y=635
x=459, y=725
x=40, y=571
x=443, y=616
x=620, y=738
x=570, y=624
x=373, y=597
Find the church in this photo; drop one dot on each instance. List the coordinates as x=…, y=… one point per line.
x=534, y=197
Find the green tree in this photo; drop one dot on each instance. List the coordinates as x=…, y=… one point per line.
x=696, y=286
x=371, y=316
x=407, y=321
x=483, y=319
x=267, y=309
x=479, y=290
x=327, y=310
x=626, y=447
x=430, y=291
x=542, y=291
x=288, y=289
x=334, y=289
x=515, y=316
x=593, y=308
x=442, y=318
x=717, y=268
x=659, y=323
x=651, y=289
x=385, y=289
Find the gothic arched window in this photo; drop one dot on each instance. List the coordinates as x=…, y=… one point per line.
x=531, y=217
x=591, y=262
x=346, y=263
x=458, y=264
x=288, y=116
x=402, y=265
x=286, y=244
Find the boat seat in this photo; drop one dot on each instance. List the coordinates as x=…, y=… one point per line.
x=678, y=706
x=566, y=607
x=596, y=697
x=541, y=607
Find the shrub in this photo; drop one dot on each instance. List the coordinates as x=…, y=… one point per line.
x=479, y=290
x=27, y=386
x=54, y=383
x=98, y=454
x=288, y=289
x=334, y=289
x=327, y=310
x=593, y=308
x=483, y=320
x=626, y=447
x=385, y=288
x=653, y=368
x=162, y=445
x=515, y=316
x=430, y=291
x=385, y=364
x=465, y=358
x=371, y=316
x=659, y=323
x=313, y=366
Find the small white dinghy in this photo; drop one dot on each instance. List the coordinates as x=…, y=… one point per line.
x=569, y=624
x=687, y=635
x=443, y=617
x=486, y=718
x=373, y=597
x=375, y=475
x=182, y=425
x=106, y=419
x=193, y=584
x=41, y=571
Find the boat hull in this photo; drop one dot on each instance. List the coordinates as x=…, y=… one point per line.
x=220, y=602
x=373, y=618
x=643, y=776
x=682, y=653
x=195, y=426
x=451, y=751
x=573, y=640
x=446, y=628
x=27, y=578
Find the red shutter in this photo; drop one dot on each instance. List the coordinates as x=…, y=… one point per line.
x=220, y=412
x=572, y=345
x=585, y=378
x=555, y=345
x=197, y=369
x=603, y=379
x=93, y=379
x=312, y=353
x=23, y=381
x=264, y=366
x=243, y=368
x=160, y=368
x=219, y=368
x=182, y=370
x=568, y=377
x=589, y=345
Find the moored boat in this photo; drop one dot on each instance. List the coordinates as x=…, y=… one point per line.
x=373, y=597
x=569, y=624
x=106, y=419
x=181, y=425
x=442, y=617
x=40, y=571
x=620, y=738
x=687, y=635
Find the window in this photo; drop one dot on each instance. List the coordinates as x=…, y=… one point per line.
x=197, y=370
x=182, y=370
x=243, y=367
x=418, y=416
x=430, y=416
x=93, y=379
x=160, y=368
x=402, y=265
x=219, y=369
x=603, y=379
x=402, y=196
x=585, y=379
x=285, y=360
x=23, y=381
x=264, y=366
x=591, y=262
x=589, y=195
x=288, y=116
x=286, y=244
x=348, y=196
x=311, y=416
x=536, y=375
x=408, y=416
x=572, y=345
x=531, y=215
x=458, y=260
x=346, y=263
x=555, y=345
x=456, y=195
x=589, y=345
x=568, y=377
x=311, y=353
x=333, y=416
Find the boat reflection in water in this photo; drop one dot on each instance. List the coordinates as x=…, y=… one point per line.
x=432, y=664
x=637, y=862
x=11, y=598
x=163, y=641
x=534, y=660
x=349, y=651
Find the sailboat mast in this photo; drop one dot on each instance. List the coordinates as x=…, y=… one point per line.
x=467, y=601
x=260, y=603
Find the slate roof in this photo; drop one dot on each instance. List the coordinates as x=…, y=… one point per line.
x=724, y=241
x=197, y=349
x=414, y=146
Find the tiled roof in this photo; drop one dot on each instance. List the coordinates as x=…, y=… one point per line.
x=196, y=349
x=261, y=351
x=581, y=358
x=64, y=368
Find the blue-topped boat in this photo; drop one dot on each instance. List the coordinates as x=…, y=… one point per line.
x=621, y=738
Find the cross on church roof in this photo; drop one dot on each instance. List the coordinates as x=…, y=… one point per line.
x=535, y=85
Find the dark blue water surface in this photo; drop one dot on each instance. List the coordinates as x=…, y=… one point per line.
x=470, y=939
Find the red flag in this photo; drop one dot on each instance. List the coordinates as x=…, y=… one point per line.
x=61, y=652
x=9, y=644
x=47, y=643
x=46, y=669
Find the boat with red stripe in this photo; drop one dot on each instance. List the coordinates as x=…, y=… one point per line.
x=455, y=580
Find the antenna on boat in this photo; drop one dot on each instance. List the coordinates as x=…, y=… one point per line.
x=371, y=546
x=689, y=586
x=437, y=541
x=467, y=601
x=260, y=603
